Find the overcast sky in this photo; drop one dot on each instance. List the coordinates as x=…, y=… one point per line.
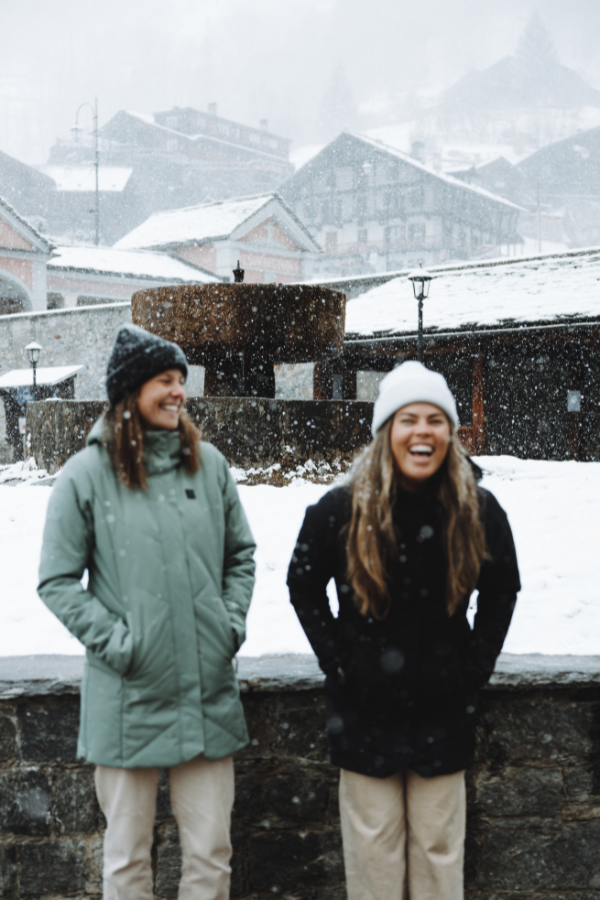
x=257, y=59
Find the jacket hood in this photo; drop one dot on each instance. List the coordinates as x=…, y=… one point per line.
x=96, y=435
x=162, y=449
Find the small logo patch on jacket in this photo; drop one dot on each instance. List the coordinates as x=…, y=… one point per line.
x=189, y=492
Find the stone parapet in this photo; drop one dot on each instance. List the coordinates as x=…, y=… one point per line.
x=533, y=792
x=248, y=431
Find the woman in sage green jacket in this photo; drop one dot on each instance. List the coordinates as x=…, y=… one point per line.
x=155, y=520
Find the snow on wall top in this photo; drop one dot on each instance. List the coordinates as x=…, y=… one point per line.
x=49, y=375
x=208, y=221
x=538, y=289
x=128, y=263
x=83, y=178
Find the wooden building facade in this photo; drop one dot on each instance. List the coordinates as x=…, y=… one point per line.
x=518, y=341
x=373, y=208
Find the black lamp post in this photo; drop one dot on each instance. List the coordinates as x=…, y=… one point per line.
x=76, y=130
x=33, y=351
x=421, y=280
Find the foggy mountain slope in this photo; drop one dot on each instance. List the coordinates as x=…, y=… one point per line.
x=515, y=82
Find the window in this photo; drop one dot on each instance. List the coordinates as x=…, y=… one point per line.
x=224, y=129
x=326, y=213
x=414, y=198
x=331, y=242
x=395, y=235
x=344, y=178
x=416, y=234
x=347, y=207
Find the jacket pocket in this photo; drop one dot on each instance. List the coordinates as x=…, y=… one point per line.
x=150, y=624
x=227, y=640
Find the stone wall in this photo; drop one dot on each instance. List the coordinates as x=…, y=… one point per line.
x=81, y=336
x=248, y=431
x=69, y=337
x=533, y=828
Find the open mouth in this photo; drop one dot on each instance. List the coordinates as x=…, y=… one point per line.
x=170, y=408
x=421, y=450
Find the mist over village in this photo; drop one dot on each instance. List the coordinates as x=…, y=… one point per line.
x=300, y=450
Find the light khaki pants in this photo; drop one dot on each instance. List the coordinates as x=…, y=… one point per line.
x=403, y=836
x=202, y=798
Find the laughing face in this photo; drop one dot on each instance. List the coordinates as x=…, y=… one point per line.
x=161, y=400
x=419, y=440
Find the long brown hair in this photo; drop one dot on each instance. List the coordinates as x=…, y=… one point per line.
x=124, y=436
x=371, y=542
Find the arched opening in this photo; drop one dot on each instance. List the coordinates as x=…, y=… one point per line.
x=13, y=297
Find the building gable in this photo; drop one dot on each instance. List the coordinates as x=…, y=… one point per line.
x=11, y=239
x=270, y=231
x=16, y=234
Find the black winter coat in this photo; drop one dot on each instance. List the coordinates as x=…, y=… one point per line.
x=403, y=692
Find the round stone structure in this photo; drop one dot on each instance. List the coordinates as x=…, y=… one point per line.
x=239, y=331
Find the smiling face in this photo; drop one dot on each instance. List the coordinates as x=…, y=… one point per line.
x=161, y=400
x=419, y=440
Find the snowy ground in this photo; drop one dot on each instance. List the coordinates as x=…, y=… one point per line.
x=553, y=508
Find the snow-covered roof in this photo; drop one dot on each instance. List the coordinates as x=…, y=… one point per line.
x=496, y=293
x=44, y=376
x=203, y=223
x=455, y=182
x=83, y=178
x=128, y=263
x=200, y=137
x=148, y=118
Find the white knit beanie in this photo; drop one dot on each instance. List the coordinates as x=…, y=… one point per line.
x=408, y=383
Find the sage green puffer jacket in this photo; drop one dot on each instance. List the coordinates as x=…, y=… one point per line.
x=171, y=573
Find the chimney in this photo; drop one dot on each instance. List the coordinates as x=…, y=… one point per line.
x=212, y=109
x=418, y=151
x=264, y=124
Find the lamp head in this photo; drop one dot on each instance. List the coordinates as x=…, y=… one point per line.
x=421, y=279
x=76, y=132
x=33, y=351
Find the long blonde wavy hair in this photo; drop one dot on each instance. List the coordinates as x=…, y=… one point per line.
x=371, y=543
x=124, y=435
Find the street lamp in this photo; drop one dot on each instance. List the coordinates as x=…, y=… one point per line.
x=421, y=280
x=76, y=130
x=33, y=351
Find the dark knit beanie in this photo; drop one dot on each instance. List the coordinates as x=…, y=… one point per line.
x=137, y=356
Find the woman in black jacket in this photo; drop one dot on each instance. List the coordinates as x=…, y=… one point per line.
x=407, y=540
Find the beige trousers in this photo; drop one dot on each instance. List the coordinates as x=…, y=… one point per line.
x=403, y=836
x=202, y=799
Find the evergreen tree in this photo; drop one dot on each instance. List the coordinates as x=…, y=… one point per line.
x=535, y=45
x=338, y=106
